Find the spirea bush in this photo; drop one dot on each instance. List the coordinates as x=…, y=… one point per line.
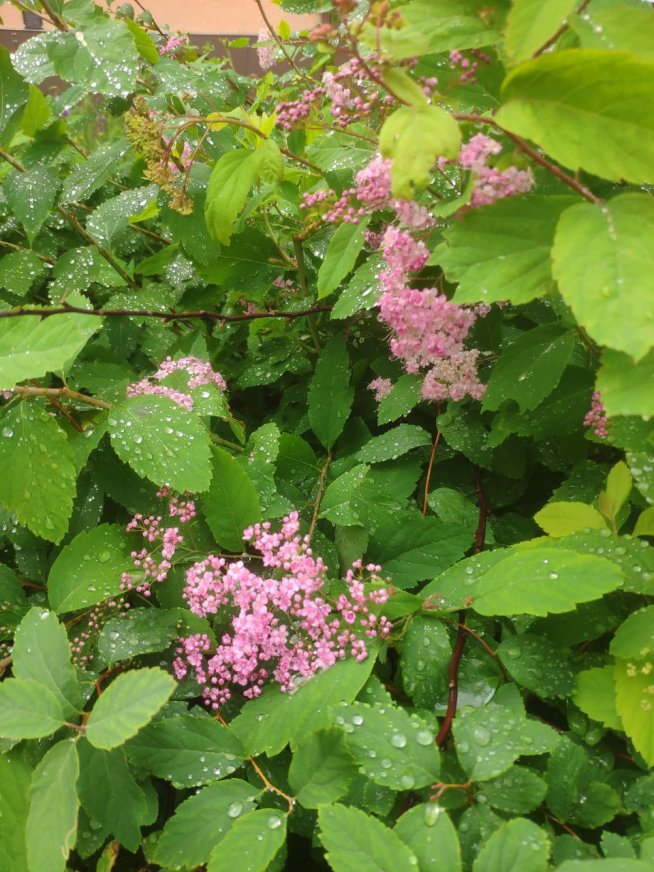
x=326, y=451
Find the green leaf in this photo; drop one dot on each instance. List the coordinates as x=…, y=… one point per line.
x=645, y=523
x=530, y=369
x=399, y=83
x=229, y=185
x=41, y=652
x=622, y=26
x=414, y=136
x=127, y=705
x=393, y=443
x=140, y=631
x=19, y=271
x=110, y=795
x=530, y=24
x=89, y=175
x=88, y=569
x=603, y=261
x=201, y=822
x=162, y=441
x=33, y=347
x=330, y=393
x=502, y=252
x=561, y=519
x=186, y=750
x=14, y=93
x=428, y=831
x=516, y=791
x=518, y=845
x=37, y=473
x=424, y=660
x=37, y=113
x=404, y=396
x=362, y=290
x=635, y=637
x=357, y=842
x=15, y=777
x=231, y=503
x=595, y=696
x=111, y=219
x=617, y=865
x=54, y=806
x=337, y=503
x=618, y=488
x=322, y=768
x=412, y=550
x=542, y=581
x=405, y=753
x=251, y=844
x=341, y=255
x=625, y=386
x=267, y=724
x=143, y=41
x=537, y=665
x=577, y=790
x=31, y=196
x=585, y=108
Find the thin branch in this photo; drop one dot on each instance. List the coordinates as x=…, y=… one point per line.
x=58, y=22
x=66, y=393
x=559, y=33
x=429, y=472
x=30, y=250
x=542, y=161
x=279, y=42
x=154, y=23
x=321, y=490
x=163, y=316
x=5, y=663
x=270, y=786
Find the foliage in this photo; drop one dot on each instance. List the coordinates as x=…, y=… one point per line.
x=326, y=442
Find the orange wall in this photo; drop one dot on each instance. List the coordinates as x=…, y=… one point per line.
x=200, y=16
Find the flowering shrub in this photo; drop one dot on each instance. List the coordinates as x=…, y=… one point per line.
x=326, y=465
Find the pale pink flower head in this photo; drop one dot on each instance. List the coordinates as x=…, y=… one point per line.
x=381, y=387
x=265, y=52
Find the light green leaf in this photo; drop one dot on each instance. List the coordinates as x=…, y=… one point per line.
x=543, y=581
x=127, y=705
x=37, y=472
x=37, y=113
x=399, y=83
x=31, y=196
x=645, y=523
x=561, y=519
x=54, y=805
x=537, y=664
x=585, y=108
x=595, y=696
x=428, y=831
x=88, y=569
x=337, y=503
x=577, y=789
x=162, y=441
x=362, y=290
x=622, y=864
x=502, y=252
x=414, y=137
x=530, y=23
x=530, y=369
x=622, y=26
x=110, y=220
x=341, y=255
x=625, y=386
x=322, y=768
x=405, y=753
x=635, y=637
x=89, y=175
x=231, y=503
x=357, y=842
x=229, y=185
x=519, y=845
x=28, y=710
x=603, y=260
x=516, y=791
x=330, y=394
x=393, y=443
x=32, y=347
x=404, y=396
x=14, y=93
x=142, y=40
x=201, y=821
x=15, y=777
x=618, y=487
x=186, y=750
x=267, y=724
x=251, y=844
x=41, y=652
x=110, y=795
x=19, y=271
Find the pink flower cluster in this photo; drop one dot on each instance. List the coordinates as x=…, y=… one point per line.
x=153, y=564
x=491, y=184
x=381, y=387
x=468, y=66
x=266, y=49
x=279, y=625
x=200, y=373
x=172, y=45
x=596, y=416
x=428, y=329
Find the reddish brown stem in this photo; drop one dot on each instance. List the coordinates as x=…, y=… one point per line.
x=163, y=316
x=429, y=471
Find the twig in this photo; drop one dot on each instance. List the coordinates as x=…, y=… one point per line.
x=29, y=250
x=4, y=663
x=553, y=39
x=321, y=490
x=453, y=671
x=304, y=286
x=163, y=316
x=58, y=22
x=69, y=394
x=279, y=42
x=226, y=443
x=270, y=786
x=552, y=168
x=154, y=23
x=429, y=471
